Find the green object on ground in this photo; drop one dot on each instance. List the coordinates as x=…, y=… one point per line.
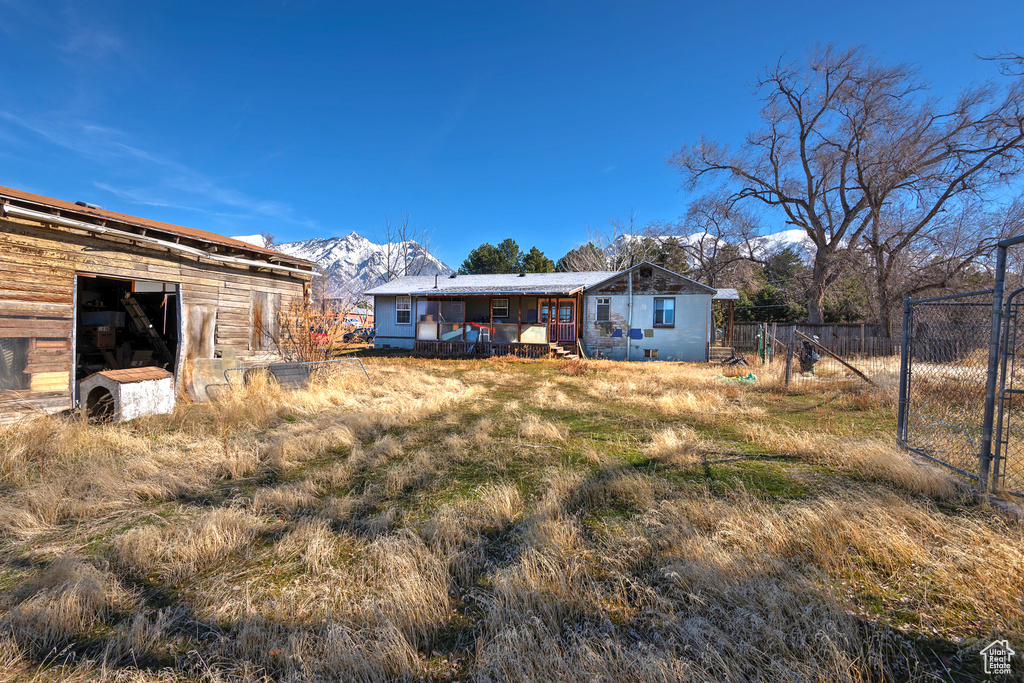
x=749, y=378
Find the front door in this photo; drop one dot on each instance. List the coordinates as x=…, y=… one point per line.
x=560, y=317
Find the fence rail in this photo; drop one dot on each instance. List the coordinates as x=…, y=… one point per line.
x=862, y=339
x=848, y=361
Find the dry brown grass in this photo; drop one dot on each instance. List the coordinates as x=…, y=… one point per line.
x=498, y=520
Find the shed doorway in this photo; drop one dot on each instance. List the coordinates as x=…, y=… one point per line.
x=125, y=324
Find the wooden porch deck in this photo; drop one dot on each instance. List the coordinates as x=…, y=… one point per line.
x=461, y=348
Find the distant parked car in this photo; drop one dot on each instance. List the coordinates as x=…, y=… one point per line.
x=363, y=334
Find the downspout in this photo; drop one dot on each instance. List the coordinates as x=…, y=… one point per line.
x=629, y=337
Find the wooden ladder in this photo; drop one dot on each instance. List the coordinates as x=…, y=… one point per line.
x=141, y=322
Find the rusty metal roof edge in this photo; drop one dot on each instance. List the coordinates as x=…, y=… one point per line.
x=13, y=195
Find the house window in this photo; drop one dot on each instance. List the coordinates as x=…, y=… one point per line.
x=499, y=308
x=403, y=310
x=646, y=272
x=664, y=312
x=650, y=353
x=603, y=309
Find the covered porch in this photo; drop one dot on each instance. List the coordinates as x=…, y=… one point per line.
x=533, y=326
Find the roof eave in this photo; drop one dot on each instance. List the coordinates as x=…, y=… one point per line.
x=92, y=216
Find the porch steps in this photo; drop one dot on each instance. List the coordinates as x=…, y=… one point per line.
x=563, y=353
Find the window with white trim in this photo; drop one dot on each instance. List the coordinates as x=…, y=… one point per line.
x=664, y=312
x=650, y=353
x=403, y=310
x=604, y=307
x=499, y=308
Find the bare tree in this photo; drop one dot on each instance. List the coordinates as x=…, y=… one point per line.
x=844, y=137
x=934, y=180
x=405, y=250
x=905, y=262
x=718, y=238
x=620, y=245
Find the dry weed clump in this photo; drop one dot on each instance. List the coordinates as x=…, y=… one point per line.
x=288, y=498
x=533, y=427
x=69, y=598
x=177, y=553
x=678, y=445
x=868, y=457
x=574, y=367
x=312, y=543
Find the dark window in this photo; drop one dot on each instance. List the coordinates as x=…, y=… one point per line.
x=646, y=272
x=603, y=310
x=650, y=353
x=664, y=312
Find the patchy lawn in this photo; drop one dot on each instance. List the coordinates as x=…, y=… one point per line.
x=499, y=520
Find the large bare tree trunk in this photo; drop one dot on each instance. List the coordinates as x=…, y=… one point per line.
x=816, y=290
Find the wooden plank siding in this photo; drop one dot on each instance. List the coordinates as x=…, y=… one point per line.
x=38, y=265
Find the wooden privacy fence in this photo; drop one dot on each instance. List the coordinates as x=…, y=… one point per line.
x=845, y=339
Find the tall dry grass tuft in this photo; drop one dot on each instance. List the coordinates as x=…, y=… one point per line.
x=533, y=427
x=68, y=599
x=574, y=367
x=180, y=552
x=678, y=445
x=867, y=457
x=312, y=543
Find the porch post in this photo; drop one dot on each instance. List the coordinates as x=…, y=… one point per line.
x=579, y=320
x=519, y=309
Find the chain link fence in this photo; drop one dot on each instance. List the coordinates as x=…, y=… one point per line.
x=946, y=349
x=961, y=401
x=1008, y=453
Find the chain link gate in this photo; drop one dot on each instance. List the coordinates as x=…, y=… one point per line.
x=1007, y=453
x=960, y=402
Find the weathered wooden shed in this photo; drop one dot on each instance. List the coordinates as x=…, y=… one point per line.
x=85, y=290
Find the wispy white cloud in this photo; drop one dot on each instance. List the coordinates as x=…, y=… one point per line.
x=168, y=183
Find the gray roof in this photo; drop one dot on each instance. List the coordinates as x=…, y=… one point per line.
x=615, y=274
x=504, y=283
x=726, y=294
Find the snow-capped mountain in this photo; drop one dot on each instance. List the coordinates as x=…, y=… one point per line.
x=795, y=239
x=353, y=263
x=760, y=246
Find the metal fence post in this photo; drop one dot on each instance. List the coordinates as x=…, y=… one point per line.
x=791, y=342
x=901, y=421
x=985, y=455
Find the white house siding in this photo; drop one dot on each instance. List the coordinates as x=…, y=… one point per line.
x=686, y=341
x=389, y=333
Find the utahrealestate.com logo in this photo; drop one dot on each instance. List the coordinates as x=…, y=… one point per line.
x=997, y=657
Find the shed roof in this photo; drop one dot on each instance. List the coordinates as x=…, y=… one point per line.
x=502, y=283
x=72, y=210
x=726, y=294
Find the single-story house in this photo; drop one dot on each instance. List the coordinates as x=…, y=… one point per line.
x=641, y=313
x=87, y=290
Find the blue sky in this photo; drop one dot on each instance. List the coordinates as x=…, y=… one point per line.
x=480, y=120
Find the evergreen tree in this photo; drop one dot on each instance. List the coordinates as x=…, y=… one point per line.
x=534, y=261
x=505, y=258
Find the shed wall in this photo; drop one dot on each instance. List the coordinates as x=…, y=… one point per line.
x=37, y=298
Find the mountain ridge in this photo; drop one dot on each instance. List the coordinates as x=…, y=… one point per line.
x=352, y=263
